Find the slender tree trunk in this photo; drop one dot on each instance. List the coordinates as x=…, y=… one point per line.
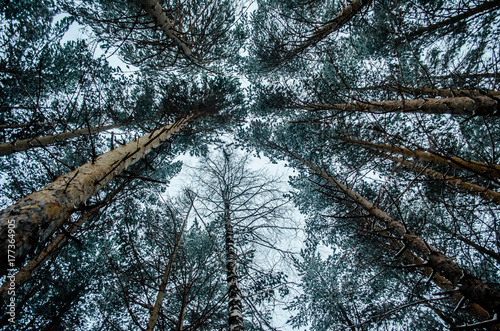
x=161, y=292
x=326, y=29
x=433, y=92
x=234, y=293
x=34, y=218
x=25, y=144
x=182, y=313
x=451, y=181
x=468, y=285
x=155, y=11
x=476, y=106
x=488, y=170
x=484, y=7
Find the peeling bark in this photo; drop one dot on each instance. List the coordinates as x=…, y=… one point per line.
x=26, y=272
x=472, y=106
x=41, y=213
x=25, y=144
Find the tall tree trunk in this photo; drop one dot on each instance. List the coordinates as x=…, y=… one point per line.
x=39, y=214
x=484, y=7
x=27, y=271
x=476, y=106
x=489, y=171
x=432, y=92
x=326, y=29
x=451, y=181
x=155, y=11
x=468, y=285
x=234, y=293
x=182, y=312
x=163, y=284
x=25, y=144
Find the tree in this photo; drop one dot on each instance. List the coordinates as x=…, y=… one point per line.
x=248, y=205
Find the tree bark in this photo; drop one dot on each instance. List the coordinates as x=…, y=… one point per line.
x=465, y=283
x=26, y=272
x=487, y=6
x=234, y=293
x=38, y=215
x=472, y=106
x=487, y=170
x=433, y=92
x=25, y=144
x=155, y=11
x=451, y=181
x=326, y=29
x=163, y=284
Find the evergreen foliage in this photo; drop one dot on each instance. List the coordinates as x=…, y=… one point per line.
x=396, y=101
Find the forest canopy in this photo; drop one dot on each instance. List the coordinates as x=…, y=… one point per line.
x=136, y=190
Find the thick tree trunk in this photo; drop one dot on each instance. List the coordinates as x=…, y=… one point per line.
x=484, y=7
x=468, y=285
x=234, y=293
x=472, y=106
x=163, y=284
x=451, y=181
x=39, y=214
x=487, y=170
x=326, y=29
x=26, y=272
x=25, y=144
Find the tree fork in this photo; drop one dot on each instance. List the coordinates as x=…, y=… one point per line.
x=39, y=214
x=465, y=283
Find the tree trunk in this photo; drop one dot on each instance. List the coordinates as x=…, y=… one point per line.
x=39, y=214
x=476, y=106
x=25, y=144
x=161, y=292
x=489, y=171
x=468, y=285
x=155, y=11
x=451, y=181
x=26, y=272
x=432, y=92
x=326, y=29
x=487, y=6
x=234, y=293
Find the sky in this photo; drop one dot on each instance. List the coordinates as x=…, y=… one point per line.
x=293, y=242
